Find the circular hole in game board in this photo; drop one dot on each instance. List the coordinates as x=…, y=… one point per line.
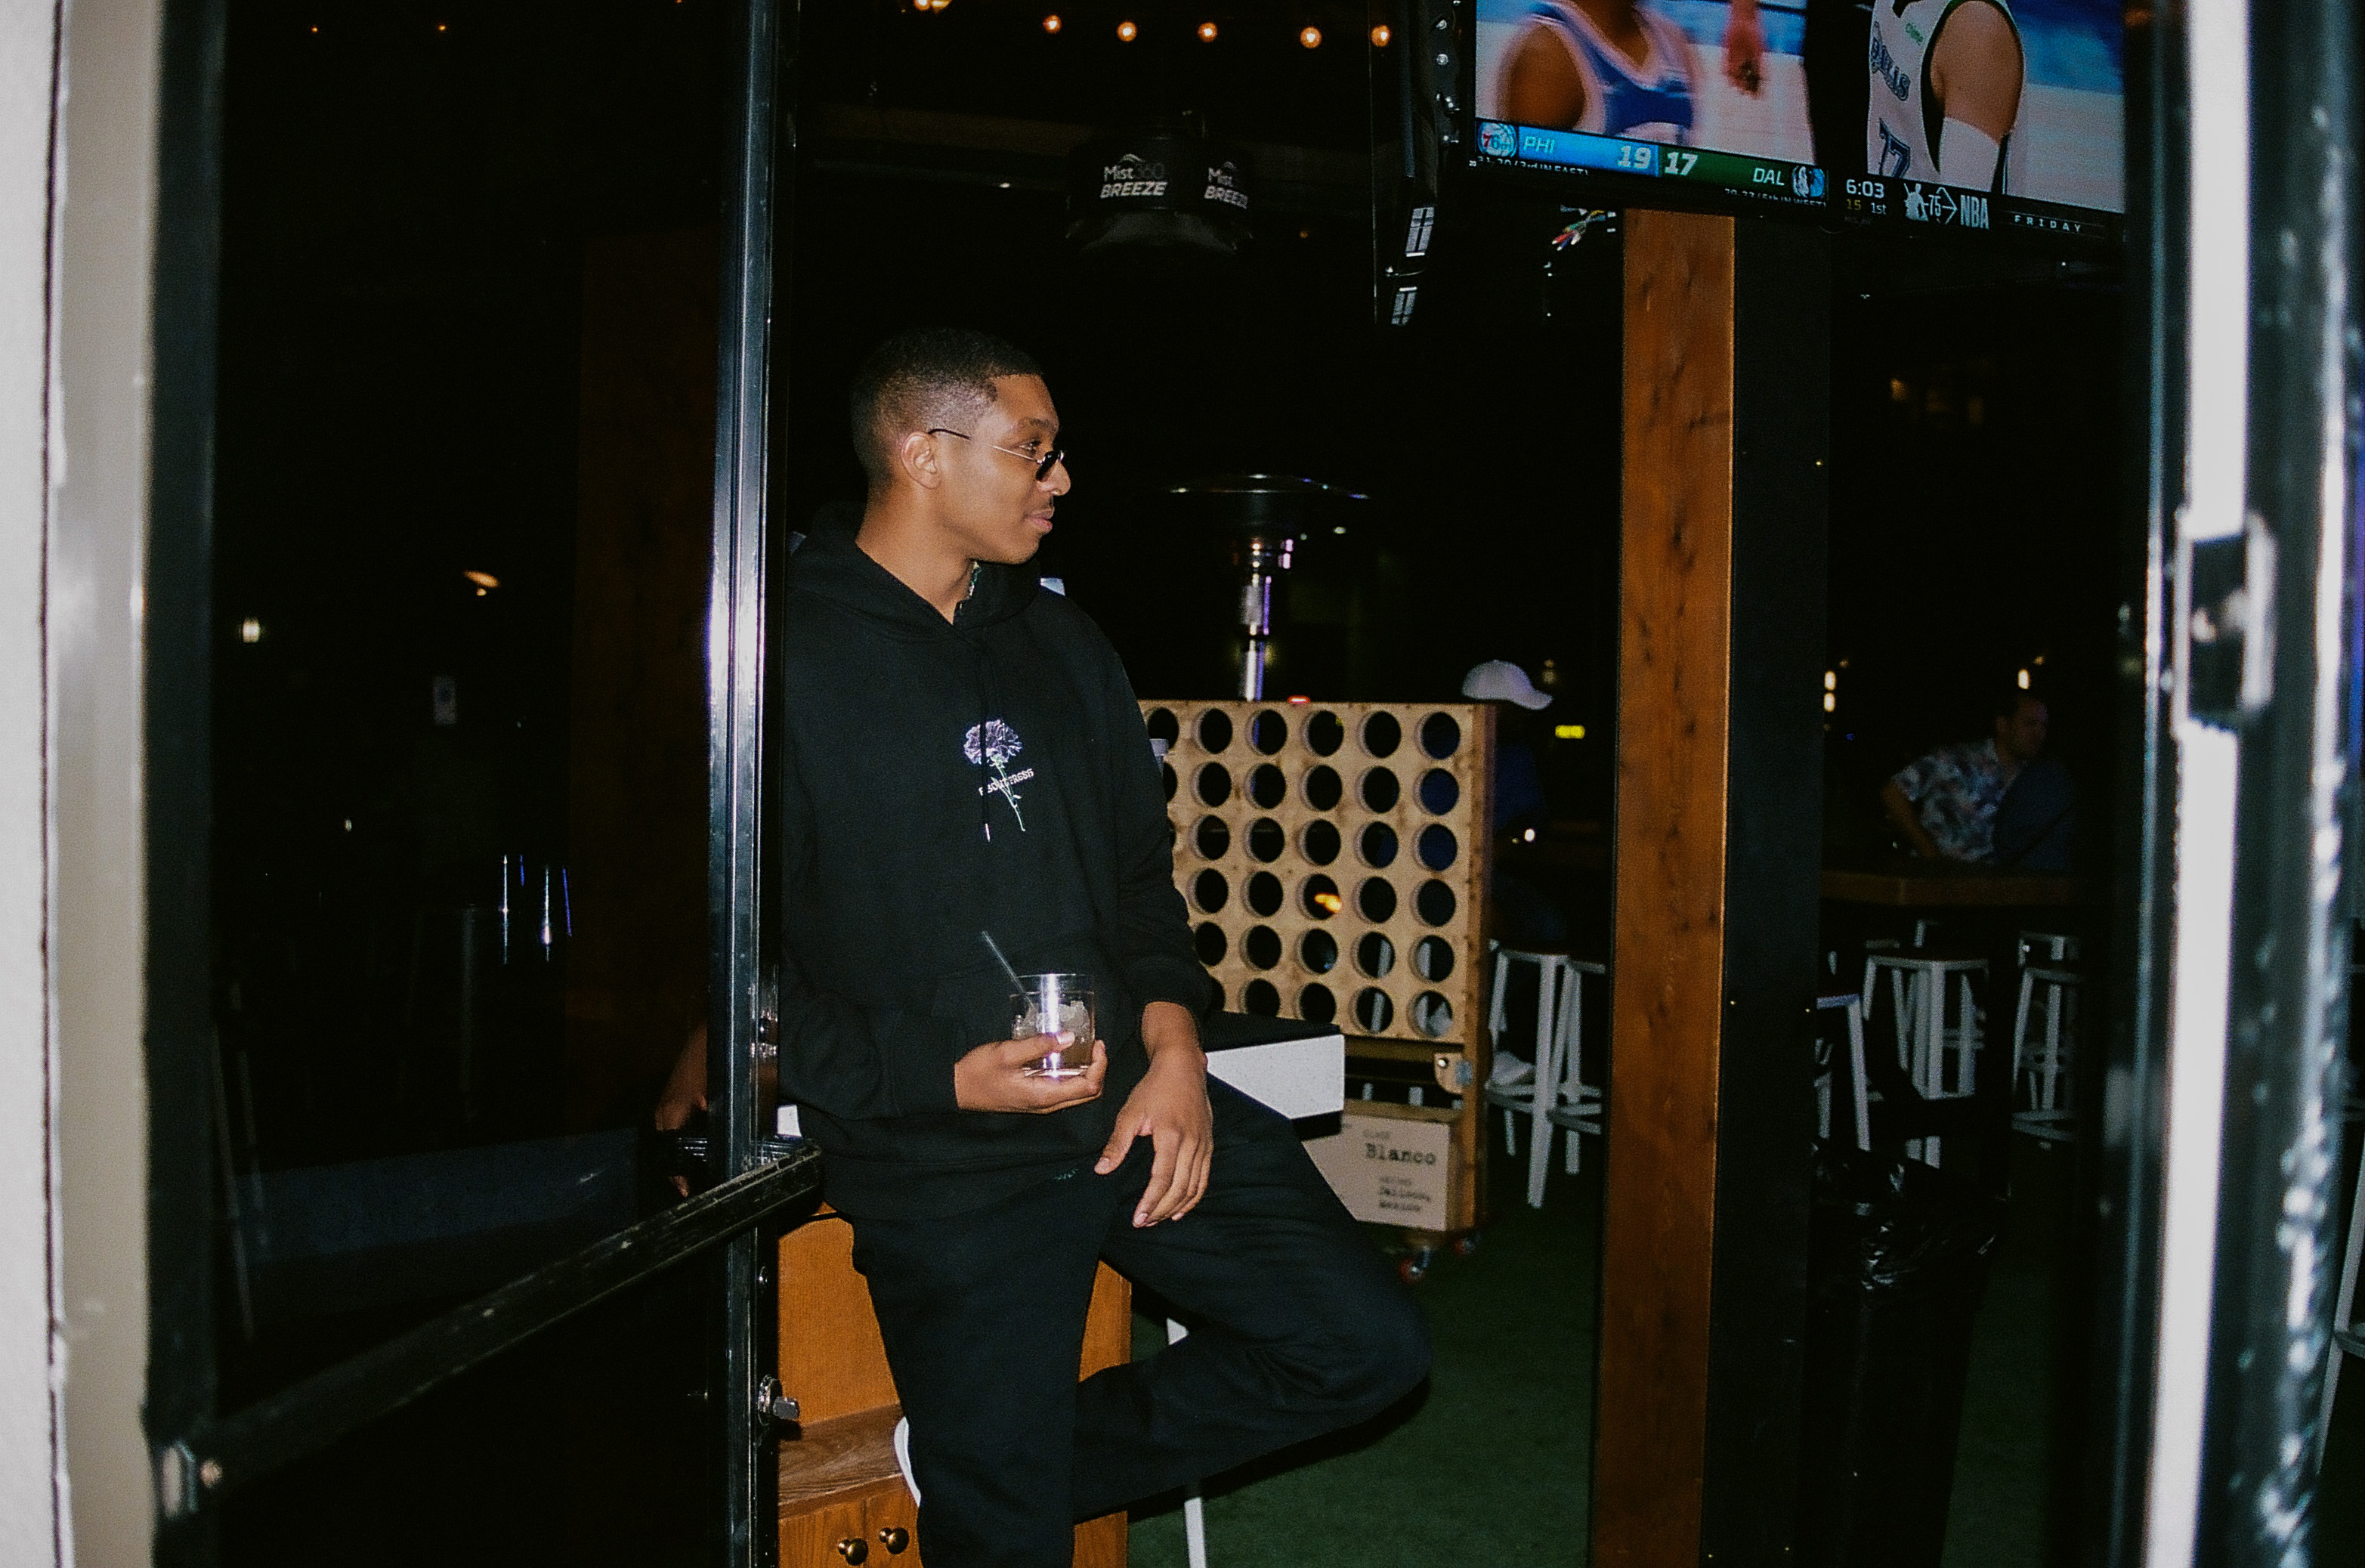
x=1261, y=946
x=1435, y=902
x=1380, y=789
x=1320, y=896
x=1267, y=839
x=1375, y=955
x=1437, y=846
x=1260, y=998
x=1213, y=785
x=1162, y=725
x=1317, y=1005
x=1318, y=951
x=1441, y=735
x=1173, y=783
x=1268, y=787
x=1373, y=1010
x=1263, y=895
x=1432, y=1016
x=1382, y=735
x=1324, y=733
x=1319, y=842
x=1268, y=731
x=1377, y=845
x=1214, y=838
x=1440, y=792
x=1209, y=940
x=1322, y=787
x=1214, y=730
x=1210, y=892
x=1376, y=900
x=1433, y=959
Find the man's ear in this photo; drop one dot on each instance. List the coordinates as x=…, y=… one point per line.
x=916, y=460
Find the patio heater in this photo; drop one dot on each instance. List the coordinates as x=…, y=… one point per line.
x=1264, y=516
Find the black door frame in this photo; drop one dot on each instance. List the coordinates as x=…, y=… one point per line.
x=201, y=1453
x=2220, y=1117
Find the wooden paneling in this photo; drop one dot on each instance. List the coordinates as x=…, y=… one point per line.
x=1659, y=1205
x=839, y=1477
x=831, y=1360
x=636, y=770
x=831, y=1459
x=809, y=1539
x=1108, y=1323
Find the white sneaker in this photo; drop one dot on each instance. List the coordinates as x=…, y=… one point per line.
x=904, y=1457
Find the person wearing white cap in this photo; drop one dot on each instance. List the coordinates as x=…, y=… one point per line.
x=1524, y=914
x=1500, y=680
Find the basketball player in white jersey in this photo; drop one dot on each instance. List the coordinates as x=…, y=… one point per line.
x=1947, y=81
x=1607, y=67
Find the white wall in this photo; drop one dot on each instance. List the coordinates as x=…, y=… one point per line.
x=101, y=244
x=28, y=1519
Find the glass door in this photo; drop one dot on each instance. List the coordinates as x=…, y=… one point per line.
x=459, y=529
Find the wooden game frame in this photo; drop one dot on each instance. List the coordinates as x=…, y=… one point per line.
x=1291, y=866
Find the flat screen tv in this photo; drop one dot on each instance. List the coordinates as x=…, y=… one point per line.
x=2001, y=116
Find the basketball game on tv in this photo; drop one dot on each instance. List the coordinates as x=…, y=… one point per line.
x=2001, y=116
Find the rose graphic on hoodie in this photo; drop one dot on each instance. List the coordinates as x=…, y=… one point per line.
x=995, y=745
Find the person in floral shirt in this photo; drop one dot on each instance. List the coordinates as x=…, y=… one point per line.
x=1944, y=804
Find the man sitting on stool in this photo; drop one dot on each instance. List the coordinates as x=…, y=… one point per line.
x=963, y=754
x=1945, y=805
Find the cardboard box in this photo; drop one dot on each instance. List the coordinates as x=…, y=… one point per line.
x=1390, y=1170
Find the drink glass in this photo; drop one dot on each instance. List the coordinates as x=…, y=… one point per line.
x=1051, y=1005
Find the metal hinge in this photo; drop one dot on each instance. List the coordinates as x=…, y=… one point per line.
x=2226, y=642
x=182, y=1480
x=772, y=1403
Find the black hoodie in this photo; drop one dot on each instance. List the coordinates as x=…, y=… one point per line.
x=939, y=779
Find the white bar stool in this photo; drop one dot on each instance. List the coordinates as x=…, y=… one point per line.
x=2048, y=1115
x=1852, y=1005
x=1919, y=985
x=1195, y=1509
x=2037, y=947
x=1556, y=1095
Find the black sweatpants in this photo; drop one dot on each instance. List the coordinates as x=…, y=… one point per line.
x=1298, y=1326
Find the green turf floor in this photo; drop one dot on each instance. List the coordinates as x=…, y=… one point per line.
x=1493, y=1464
x=1499, y=1450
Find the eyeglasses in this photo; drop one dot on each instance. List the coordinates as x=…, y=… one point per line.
x=1043, y=465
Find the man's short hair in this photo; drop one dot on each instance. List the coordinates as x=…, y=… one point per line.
x=922, y=378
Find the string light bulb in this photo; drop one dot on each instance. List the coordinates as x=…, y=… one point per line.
x=1380, y=36
x=1206, y=32
x=1311, y=37
x=1051, y=23
x=1126, y=32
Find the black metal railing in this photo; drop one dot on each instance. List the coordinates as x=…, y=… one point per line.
x=222, y=1454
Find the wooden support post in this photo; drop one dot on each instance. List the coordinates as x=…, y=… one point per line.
x=1718, y=844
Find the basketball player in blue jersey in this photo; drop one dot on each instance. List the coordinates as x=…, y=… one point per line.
x=1946, y=78
x=1607, y=67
